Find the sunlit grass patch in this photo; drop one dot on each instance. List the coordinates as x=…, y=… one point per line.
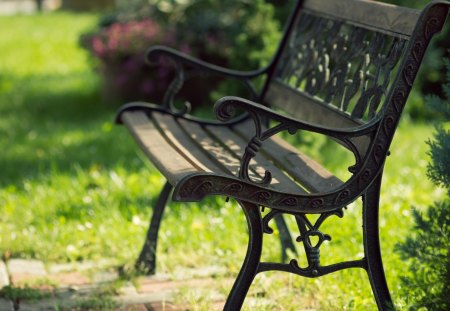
x=74, y=187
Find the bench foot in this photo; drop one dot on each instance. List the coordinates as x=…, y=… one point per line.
x=146, y=262
x=372, y=250
x=252, y=259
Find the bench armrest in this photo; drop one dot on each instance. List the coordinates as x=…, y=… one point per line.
x=157, y=51
x=197, y=68
x=225, y=110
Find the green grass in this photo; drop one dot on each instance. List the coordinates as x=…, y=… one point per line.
x=74, y=187
x=22, y=293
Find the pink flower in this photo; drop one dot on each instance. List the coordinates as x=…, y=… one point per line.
x=98, y=47
x=113, y=43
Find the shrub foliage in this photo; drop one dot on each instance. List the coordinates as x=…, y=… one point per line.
x=429, y=247
x=240, y=34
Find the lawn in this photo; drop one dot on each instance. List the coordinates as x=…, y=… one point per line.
x=73, y=185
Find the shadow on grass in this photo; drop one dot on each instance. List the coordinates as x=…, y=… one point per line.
x=56, y=123
x=74, y=98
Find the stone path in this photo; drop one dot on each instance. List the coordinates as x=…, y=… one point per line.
x=27, y=285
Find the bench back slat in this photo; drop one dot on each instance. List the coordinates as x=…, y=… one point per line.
x=341, y=54
x=311, y=110
x=375, y=15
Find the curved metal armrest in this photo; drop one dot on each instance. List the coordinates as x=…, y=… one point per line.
x=155, y=52
x=187, y=67
x=226, y=106
x=225, y=110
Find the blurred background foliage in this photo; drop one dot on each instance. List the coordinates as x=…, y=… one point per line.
x=432, y=73
x=240, y=34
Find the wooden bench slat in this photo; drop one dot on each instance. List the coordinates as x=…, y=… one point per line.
x=303, y=169
x=306, y=108
x=183, y=143
x=212, y=148
x=155, y=146
x=261, y=164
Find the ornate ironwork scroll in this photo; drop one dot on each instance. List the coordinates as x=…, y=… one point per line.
x=187, y=68
x=312, y=239
x=342, y=65
x=226, y=107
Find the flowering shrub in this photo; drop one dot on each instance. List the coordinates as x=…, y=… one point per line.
x=119, y=50
x=122, y=39
x=240, y=35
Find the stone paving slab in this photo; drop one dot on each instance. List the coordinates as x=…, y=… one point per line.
x=139, y=307
x=6, y=305
x=163, y=306
x=128, y=289
x=195, y=273
x=145, y=298
x=139, y=304
x=76, y=291
x=81, y=266
x=30, y=266
x=69, y=284
x=218, y=305
x=68, y=279
x=105, y=276
x=23, y=270
x=4, y=278
x=41, y=305
x=146, y=286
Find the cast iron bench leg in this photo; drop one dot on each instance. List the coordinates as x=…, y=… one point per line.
x=250, y=266
x=372, y=250
x=146, y=262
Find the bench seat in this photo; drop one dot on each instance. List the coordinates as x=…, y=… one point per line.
x=179, y=148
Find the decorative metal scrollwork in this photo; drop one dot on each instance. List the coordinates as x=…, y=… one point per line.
x=310, y=236
x=225, y=111
x=187, y=68
x=343, y=65
x=173, y=89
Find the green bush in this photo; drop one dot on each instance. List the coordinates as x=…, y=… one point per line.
x=240, y=34
x=429, y=247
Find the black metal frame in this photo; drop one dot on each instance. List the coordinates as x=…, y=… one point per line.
x=252, y=194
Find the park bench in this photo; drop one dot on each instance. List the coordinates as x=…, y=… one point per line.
x=344, y=70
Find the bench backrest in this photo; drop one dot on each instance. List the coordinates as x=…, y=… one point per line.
x=340, y=61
